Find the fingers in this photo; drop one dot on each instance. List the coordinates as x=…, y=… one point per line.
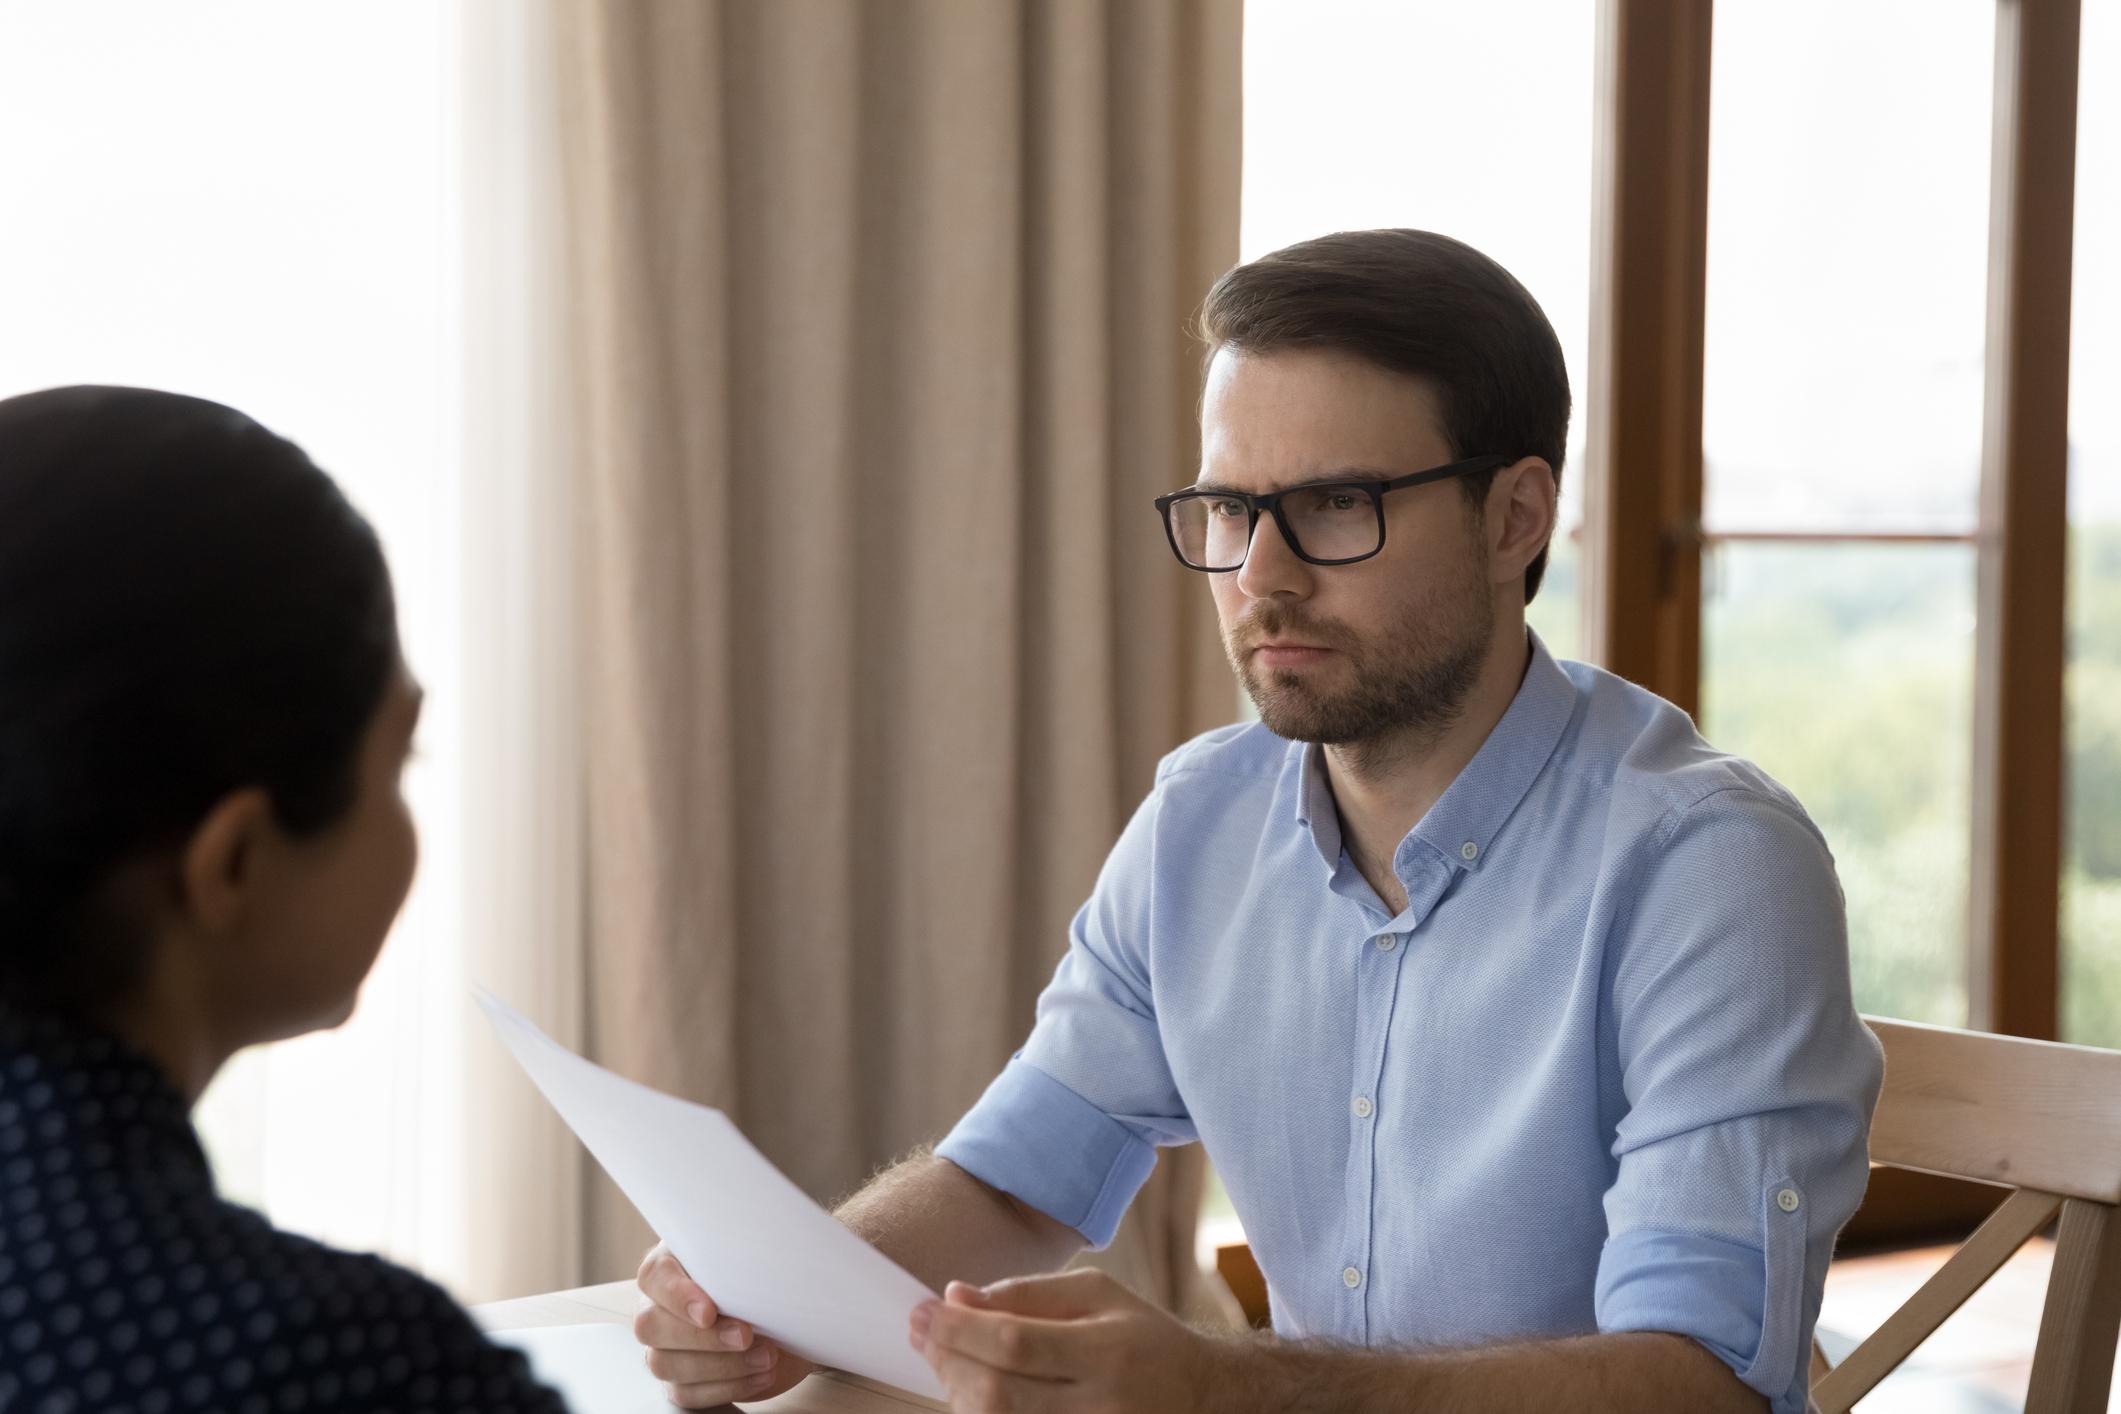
x=699, y=1380
x=1018, y=1345
x=663, y=1281
x=658, y=1329
x=703, y=1357
x=715, y=1395
x=1068, y=1296
x=681, y=1366
x=975, y=1388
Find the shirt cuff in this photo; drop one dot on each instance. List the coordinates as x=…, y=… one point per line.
x=1710, y=1289
x=1038, y=1141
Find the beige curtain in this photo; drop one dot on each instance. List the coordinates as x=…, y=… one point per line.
x=518, y=1215
x=881, y=331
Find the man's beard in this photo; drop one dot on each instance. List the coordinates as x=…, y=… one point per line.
x=1411, y=677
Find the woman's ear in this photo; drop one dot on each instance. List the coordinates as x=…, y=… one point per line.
x=219, y=867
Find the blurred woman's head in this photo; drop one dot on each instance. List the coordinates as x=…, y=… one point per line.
x=203, y=718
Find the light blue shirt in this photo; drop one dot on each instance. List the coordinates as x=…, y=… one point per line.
x=1603, y=1073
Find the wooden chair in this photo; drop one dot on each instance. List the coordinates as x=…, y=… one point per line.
x=2041, y=1119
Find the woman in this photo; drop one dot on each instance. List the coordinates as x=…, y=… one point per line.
x=203, y=720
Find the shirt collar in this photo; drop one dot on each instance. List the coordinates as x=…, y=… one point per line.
x=1465, y=819
x=1315, y=810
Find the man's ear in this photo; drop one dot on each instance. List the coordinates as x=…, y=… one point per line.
x=219, y=866
x=1522, y=510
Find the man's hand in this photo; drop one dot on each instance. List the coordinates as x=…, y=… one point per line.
x=1072, y=1343
x=1082, y=1344
x=703, y=1357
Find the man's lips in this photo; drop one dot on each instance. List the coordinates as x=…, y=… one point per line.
x=1283, y=654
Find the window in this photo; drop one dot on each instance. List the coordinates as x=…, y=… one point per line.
x=1835, y=359
x=1841, y=435
x=2091, y=897
x=1472, y=120
x=249, y=201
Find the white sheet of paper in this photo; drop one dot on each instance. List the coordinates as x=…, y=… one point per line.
x=596, y=1368
x=755, y=1241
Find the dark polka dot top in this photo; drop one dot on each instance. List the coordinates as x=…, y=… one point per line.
x=128, y=1287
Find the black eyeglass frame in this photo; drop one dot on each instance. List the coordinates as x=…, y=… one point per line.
x=1270, y=502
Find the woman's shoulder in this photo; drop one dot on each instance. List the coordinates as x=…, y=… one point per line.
x=209, y=1307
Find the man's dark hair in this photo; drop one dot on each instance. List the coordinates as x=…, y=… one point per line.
x=1418, y=303
x=188, y=607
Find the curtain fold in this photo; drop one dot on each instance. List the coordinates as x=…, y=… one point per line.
x=881, y=354
x=518, y=1213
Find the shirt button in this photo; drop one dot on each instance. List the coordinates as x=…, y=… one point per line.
x=1350, y=1278
x=1387, y=941
x=1787, y=1200
x=1362, y=1106
x=1469, y=851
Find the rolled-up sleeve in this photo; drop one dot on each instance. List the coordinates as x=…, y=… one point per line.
x=1749, y=1083
x=1071, y=1125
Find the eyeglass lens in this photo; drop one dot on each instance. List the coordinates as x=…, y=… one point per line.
x=1327, y=523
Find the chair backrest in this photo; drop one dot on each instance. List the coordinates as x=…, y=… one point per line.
x=2043, y=1120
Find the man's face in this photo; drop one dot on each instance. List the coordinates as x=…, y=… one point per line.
x=1346, y=653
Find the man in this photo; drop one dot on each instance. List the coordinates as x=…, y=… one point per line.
x=1515, y=1018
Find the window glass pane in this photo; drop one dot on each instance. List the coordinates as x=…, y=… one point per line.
x=248, y=201
x=1846, y=672
x=1557, y=614
x=1847, y=270
x=1848, y=237
x=2091, y=892
x=1472, y=120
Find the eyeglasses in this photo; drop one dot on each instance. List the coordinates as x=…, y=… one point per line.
x=1336, y=523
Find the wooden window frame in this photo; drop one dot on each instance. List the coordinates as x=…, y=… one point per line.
x=2015, y=944
x=1643, y=537
x=1649, y=263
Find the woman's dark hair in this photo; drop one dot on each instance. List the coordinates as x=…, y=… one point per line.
x=1419, y=303
x=188, y=607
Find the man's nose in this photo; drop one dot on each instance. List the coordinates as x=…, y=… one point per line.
x=1270, y=566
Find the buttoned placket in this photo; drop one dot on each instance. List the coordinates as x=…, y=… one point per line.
x=1426, y=878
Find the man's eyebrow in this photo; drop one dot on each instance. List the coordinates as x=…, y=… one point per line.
x=1341, y=476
